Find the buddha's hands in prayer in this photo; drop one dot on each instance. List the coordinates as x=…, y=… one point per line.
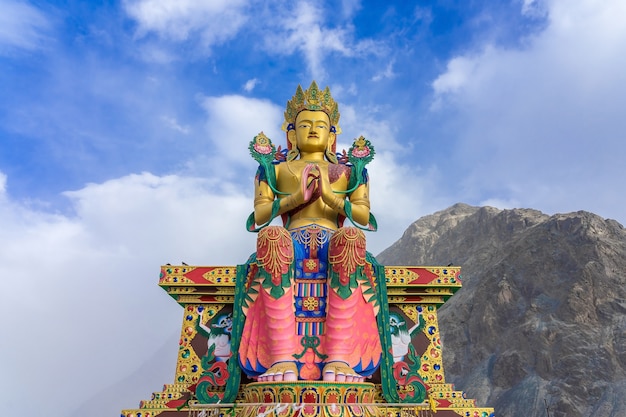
x=310, y=181
x=309, y=184
x=325, y=190
x=315, y=181
x=328, y=196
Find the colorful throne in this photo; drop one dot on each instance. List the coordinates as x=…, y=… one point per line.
x=208, y=380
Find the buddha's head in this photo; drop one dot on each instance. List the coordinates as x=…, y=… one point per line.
x=312, y=123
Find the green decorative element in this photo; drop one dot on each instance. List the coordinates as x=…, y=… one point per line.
x=388, y=382
x=250, y=222
x=234, y=371
x=360, y=276
x=248, y=299
x=276, y=290
x=209, y=358
x=208, y=379
x=354, y=278
x=310, y=342
x=254, y=285
x=372, y=225
x=413, y=378
x=360, y=154
x=215, y=372
x=263, y=151
x=369, y=288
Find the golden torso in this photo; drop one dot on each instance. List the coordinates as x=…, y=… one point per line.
x=314, y=202
x=289, y=178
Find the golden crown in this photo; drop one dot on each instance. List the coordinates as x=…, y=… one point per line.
x=312, y=99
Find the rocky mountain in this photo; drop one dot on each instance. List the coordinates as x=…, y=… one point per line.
x=541, y=319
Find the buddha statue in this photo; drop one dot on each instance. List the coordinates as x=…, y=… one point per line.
x=310, y=302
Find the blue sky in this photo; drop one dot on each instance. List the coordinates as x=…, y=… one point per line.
x=123, y=146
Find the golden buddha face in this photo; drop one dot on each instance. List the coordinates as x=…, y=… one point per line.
x=312, y=130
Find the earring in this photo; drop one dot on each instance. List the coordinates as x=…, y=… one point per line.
x=330, y=154
x=293, y=154
x=294, y=151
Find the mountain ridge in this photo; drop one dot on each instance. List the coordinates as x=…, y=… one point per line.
x=541, y=317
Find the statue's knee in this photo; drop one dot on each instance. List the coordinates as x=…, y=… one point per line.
x=273, y=232
x=274, y=249
x=347, y=241
x=348, y=236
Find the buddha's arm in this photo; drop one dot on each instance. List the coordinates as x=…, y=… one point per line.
x=359, y=201
x=264, y=202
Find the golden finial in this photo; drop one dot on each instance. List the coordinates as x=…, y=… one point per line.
x=312, y=99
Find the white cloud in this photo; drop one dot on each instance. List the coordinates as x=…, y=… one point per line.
x=400, y=194
x=386, y=73
x=22, y=26
x=350, y=7
x=459, y=72
x=80, y=295
x=250, y=84
x=232, y=122
x=534, y=8
x=301, y=29
x=543, y=125
x=305, y=34
x=157, y=53
x=500, y=204
x=3, y=184
x=213, y=20
x=372, y=123
x=281, y=28
x=423, y=15
x=172, y=123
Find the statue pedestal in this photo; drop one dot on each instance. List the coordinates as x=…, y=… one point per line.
x=205, y=375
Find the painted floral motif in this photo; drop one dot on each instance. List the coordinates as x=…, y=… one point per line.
x=361, y=152
x=360, y=148
x=262, y=144
x=310, y=303
x=262, y=149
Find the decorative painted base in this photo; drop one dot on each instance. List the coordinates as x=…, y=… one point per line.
x=310, y=392
x=311, y=398
x=207, y=296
